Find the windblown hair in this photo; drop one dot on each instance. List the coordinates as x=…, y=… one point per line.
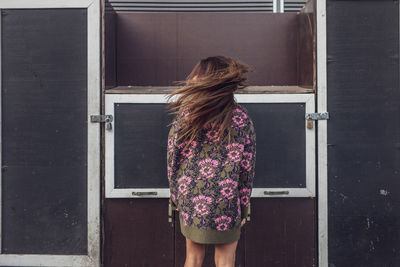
x=207, y=96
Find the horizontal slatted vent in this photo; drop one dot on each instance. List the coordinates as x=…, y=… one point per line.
x=187, y=6
x=293, y=5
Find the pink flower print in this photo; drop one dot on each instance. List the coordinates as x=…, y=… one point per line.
x=203, y=198
x=227, y=192
x=169, y=173
x=212, y=135
x=223, y=222
x=238, y=117
x=247, y=139
x=245, y=163
x=183, y=189
x=201, y=208
x=234, y=155
x=170, y=145
x=235, y=150
x=207, y=167
x=185, y=217
x=183, y=182
x=173, y=197
x=247, y=155
x=235, y=146
x=244, y=196
x=244, y=200
x=172, y=142
x=237, y=110
x=202, y=203
x=228, y=187
x=238, y=121
x=228, y=182
x=188, y=152
x=184, y=179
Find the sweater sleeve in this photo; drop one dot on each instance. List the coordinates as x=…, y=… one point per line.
x=247, y=171
x=171, y=160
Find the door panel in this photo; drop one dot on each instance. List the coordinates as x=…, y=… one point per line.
x=44, y=179
x=49, y=151
x=137, y=233
x=140, y=144
x=281, y=233
x=281, y=143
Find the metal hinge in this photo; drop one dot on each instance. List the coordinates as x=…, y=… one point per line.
x=317, y=116
x=310, y=117
x=103, y=118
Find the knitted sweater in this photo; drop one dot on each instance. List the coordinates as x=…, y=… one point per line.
x=210, y=185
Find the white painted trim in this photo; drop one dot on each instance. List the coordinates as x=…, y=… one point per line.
x=111, y=99
x=274, y=6
x=273, y=98
x=24, y=4
x=93, y=164
x=127, y=192
x=322, y=134
x=1, y=138
x=109, y=150
x=293, y=192
x=93, y=141
x=45, y=260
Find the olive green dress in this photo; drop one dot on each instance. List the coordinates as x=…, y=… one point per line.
x=211, y=184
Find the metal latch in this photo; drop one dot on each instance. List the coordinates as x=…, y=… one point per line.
x=310, y=117
x=103, y=118
x=144, y=193
x=285, y=192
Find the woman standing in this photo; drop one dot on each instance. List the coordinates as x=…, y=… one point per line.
x=211, y=159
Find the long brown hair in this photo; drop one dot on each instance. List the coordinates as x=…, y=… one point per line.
x=207, y=94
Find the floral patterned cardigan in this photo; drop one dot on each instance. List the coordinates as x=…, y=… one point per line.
x=211, y=185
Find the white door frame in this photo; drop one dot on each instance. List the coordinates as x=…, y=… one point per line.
x=322, y=134
x=92, y=259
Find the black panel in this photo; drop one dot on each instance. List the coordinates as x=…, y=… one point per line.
x=281, y=144
x=140, y=134
x=140, y=145
x=363, y=133
x=44, y=131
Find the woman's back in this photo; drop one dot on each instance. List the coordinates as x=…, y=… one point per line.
x=211, y=184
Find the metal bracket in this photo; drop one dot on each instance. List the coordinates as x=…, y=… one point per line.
x=317, y=116
x=103, y=118
x=310, y=117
